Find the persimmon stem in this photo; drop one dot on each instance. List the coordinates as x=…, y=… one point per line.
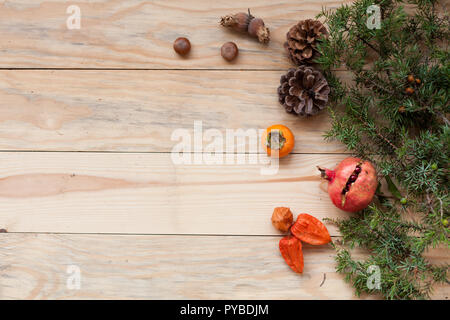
x=275, y=140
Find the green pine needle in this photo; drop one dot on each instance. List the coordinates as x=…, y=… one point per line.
x=407, y=137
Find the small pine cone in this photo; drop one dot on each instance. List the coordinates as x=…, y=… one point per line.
x=302, y=39
x=303, y=91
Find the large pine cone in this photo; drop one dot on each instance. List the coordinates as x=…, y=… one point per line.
x=302, y=39
x=303, y=91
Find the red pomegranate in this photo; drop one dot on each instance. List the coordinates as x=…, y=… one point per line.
x=352, y=184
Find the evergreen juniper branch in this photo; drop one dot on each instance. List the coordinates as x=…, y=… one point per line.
x=410, y=146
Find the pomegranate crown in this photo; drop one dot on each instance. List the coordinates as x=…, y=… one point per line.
x=327, y=173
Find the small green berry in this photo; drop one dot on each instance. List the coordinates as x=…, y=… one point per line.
x=445, y=222
x=434, y=166
x=403, y=201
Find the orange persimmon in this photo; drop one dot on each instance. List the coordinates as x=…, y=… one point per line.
x=278, y=138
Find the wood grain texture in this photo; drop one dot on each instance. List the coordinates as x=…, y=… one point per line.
x=139, y=110
x=148, y=194
x=140, y=34
x=124, y=181
x=34, y=266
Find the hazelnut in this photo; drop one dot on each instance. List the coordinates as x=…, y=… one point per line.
x=182, y=46
x=282, y=218
x=229, y=51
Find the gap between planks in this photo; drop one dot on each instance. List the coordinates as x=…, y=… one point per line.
x=154, y=234
x=157, y=69
x=166, y=152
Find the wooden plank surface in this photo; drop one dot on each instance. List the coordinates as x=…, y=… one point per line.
x=35, y=266
x=138, y=110
x=86, y=176
x=159, y=267
x=140, y=34
x=146, y=193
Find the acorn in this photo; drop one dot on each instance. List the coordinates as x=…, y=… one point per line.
x=256, y=28
x=411, y=78
x=247, y=23
x=238, y=21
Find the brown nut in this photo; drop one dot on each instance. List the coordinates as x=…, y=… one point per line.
x=401, y=109
x=256, y=28
x=229, y=51
x=238, y=21
x=282, y=218
x=182, y=46
x=411, y=78
x=418, y=81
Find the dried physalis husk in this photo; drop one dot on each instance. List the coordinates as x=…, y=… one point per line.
x=310, y=230
x=282, y=218
x=291, y=250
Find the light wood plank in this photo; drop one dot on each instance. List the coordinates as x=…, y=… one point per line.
x=139, y=110
x=34, y=266
x=147, y=193
x=140, y=34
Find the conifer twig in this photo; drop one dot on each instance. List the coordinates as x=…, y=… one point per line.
x=408, y=146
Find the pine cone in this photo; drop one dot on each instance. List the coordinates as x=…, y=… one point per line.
x=303, y=91
x=301, y=44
